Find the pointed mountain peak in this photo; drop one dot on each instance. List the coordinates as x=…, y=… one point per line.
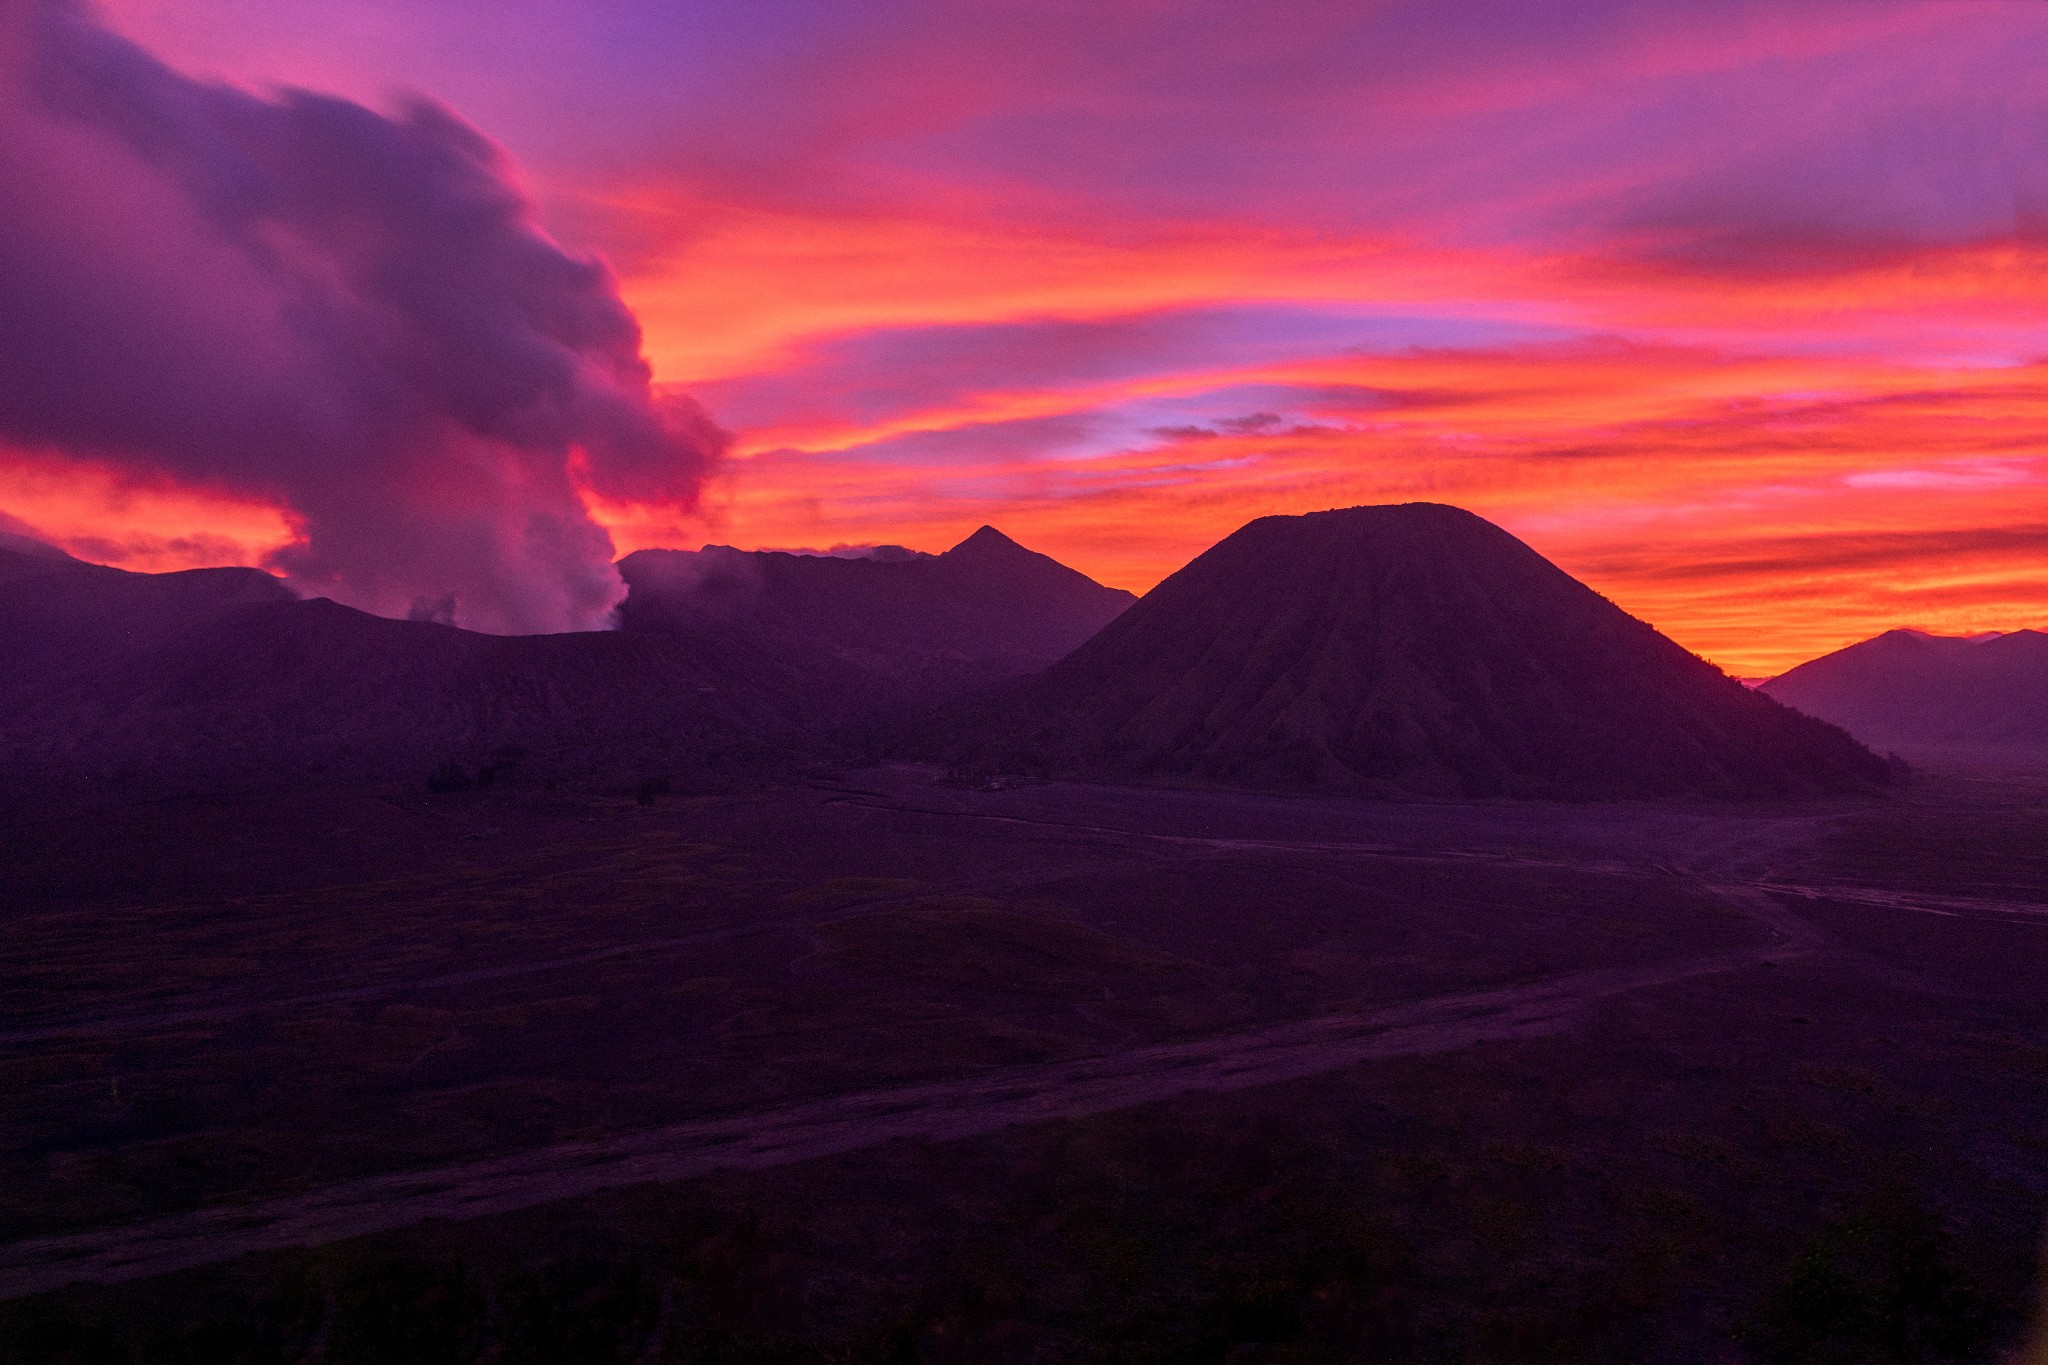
x=990, y=546
x=1414, y=650
x=987, y=540
x=989, y=555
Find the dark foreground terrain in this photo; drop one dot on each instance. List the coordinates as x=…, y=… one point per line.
x=867, y=1067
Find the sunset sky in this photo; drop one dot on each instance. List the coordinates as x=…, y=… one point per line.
x=1737, y=311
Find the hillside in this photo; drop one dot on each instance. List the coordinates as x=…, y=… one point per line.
x=1912, y=691
x=212, y=674
x=1411, y=649
x=724, y=657
x=985, y=610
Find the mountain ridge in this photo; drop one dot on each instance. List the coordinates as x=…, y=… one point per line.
x=984, y=610
x=1911, y=690
x=1412, y=649
x=208, y=674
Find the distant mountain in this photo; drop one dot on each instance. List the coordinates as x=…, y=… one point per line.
x=1910, y=691
x=224, y=674
x=24, y=554
x=727, y=657
x=985, y=610
x=58, y=613
x=1400, y=650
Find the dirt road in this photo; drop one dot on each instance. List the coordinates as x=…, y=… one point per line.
x=799, y=1132
x=1729, y=858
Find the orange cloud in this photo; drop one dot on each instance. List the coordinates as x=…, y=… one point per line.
x=1869, y=495
x=775, y=279
x=106, y=516
x=1735, y=312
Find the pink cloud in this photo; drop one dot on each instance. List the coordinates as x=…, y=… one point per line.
x=350, y=316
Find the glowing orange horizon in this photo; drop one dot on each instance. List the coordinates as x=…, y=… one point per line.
x=1655, y=470
x=1736, y=316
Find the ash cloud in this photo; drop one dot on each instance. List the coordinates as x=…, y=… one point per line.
x=352, y=314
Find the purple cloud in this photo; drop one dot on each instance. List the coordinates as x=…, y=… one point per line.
x=353, y=315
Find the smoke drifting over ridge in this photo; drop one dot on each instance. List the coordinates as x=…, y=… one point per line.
x=353, y=315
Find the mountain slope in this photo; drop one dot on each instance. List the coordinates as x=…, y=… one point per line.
x=1908, y=690
x=1406, y=649
x=984, y=610
x=225, y=673
x=60, y=614
x=285, y=691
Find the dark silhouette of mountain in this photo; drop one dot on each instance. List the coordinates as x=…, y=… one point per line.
x=223, y=673
x=728, y=656
x=1908, y=690
x=24, y=554
x=1407, y=649
x=932, y=625
x=60, y=614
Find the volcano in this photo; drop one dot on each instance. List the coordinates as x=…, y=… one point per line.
x=224, y=675
x=726, y=658
x=931, y=626
x=1908, y=690
x=1401, y=650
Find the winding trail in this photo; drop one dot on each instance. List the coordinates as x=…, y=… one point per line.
x=1951, y=907
x=933, y=1112
x=1733, y=863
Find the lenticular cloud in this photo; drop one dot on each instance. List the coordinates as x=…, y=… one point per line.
x=351, y=314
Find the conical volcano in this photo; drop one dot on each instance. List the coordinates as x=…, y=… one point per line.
x=1413, y=649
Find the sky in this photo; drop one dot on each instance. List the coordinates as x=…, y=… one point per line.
x=1733, y=310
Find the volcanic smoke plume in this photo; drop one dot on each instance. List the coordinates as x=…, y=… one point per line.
x=352, y=315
